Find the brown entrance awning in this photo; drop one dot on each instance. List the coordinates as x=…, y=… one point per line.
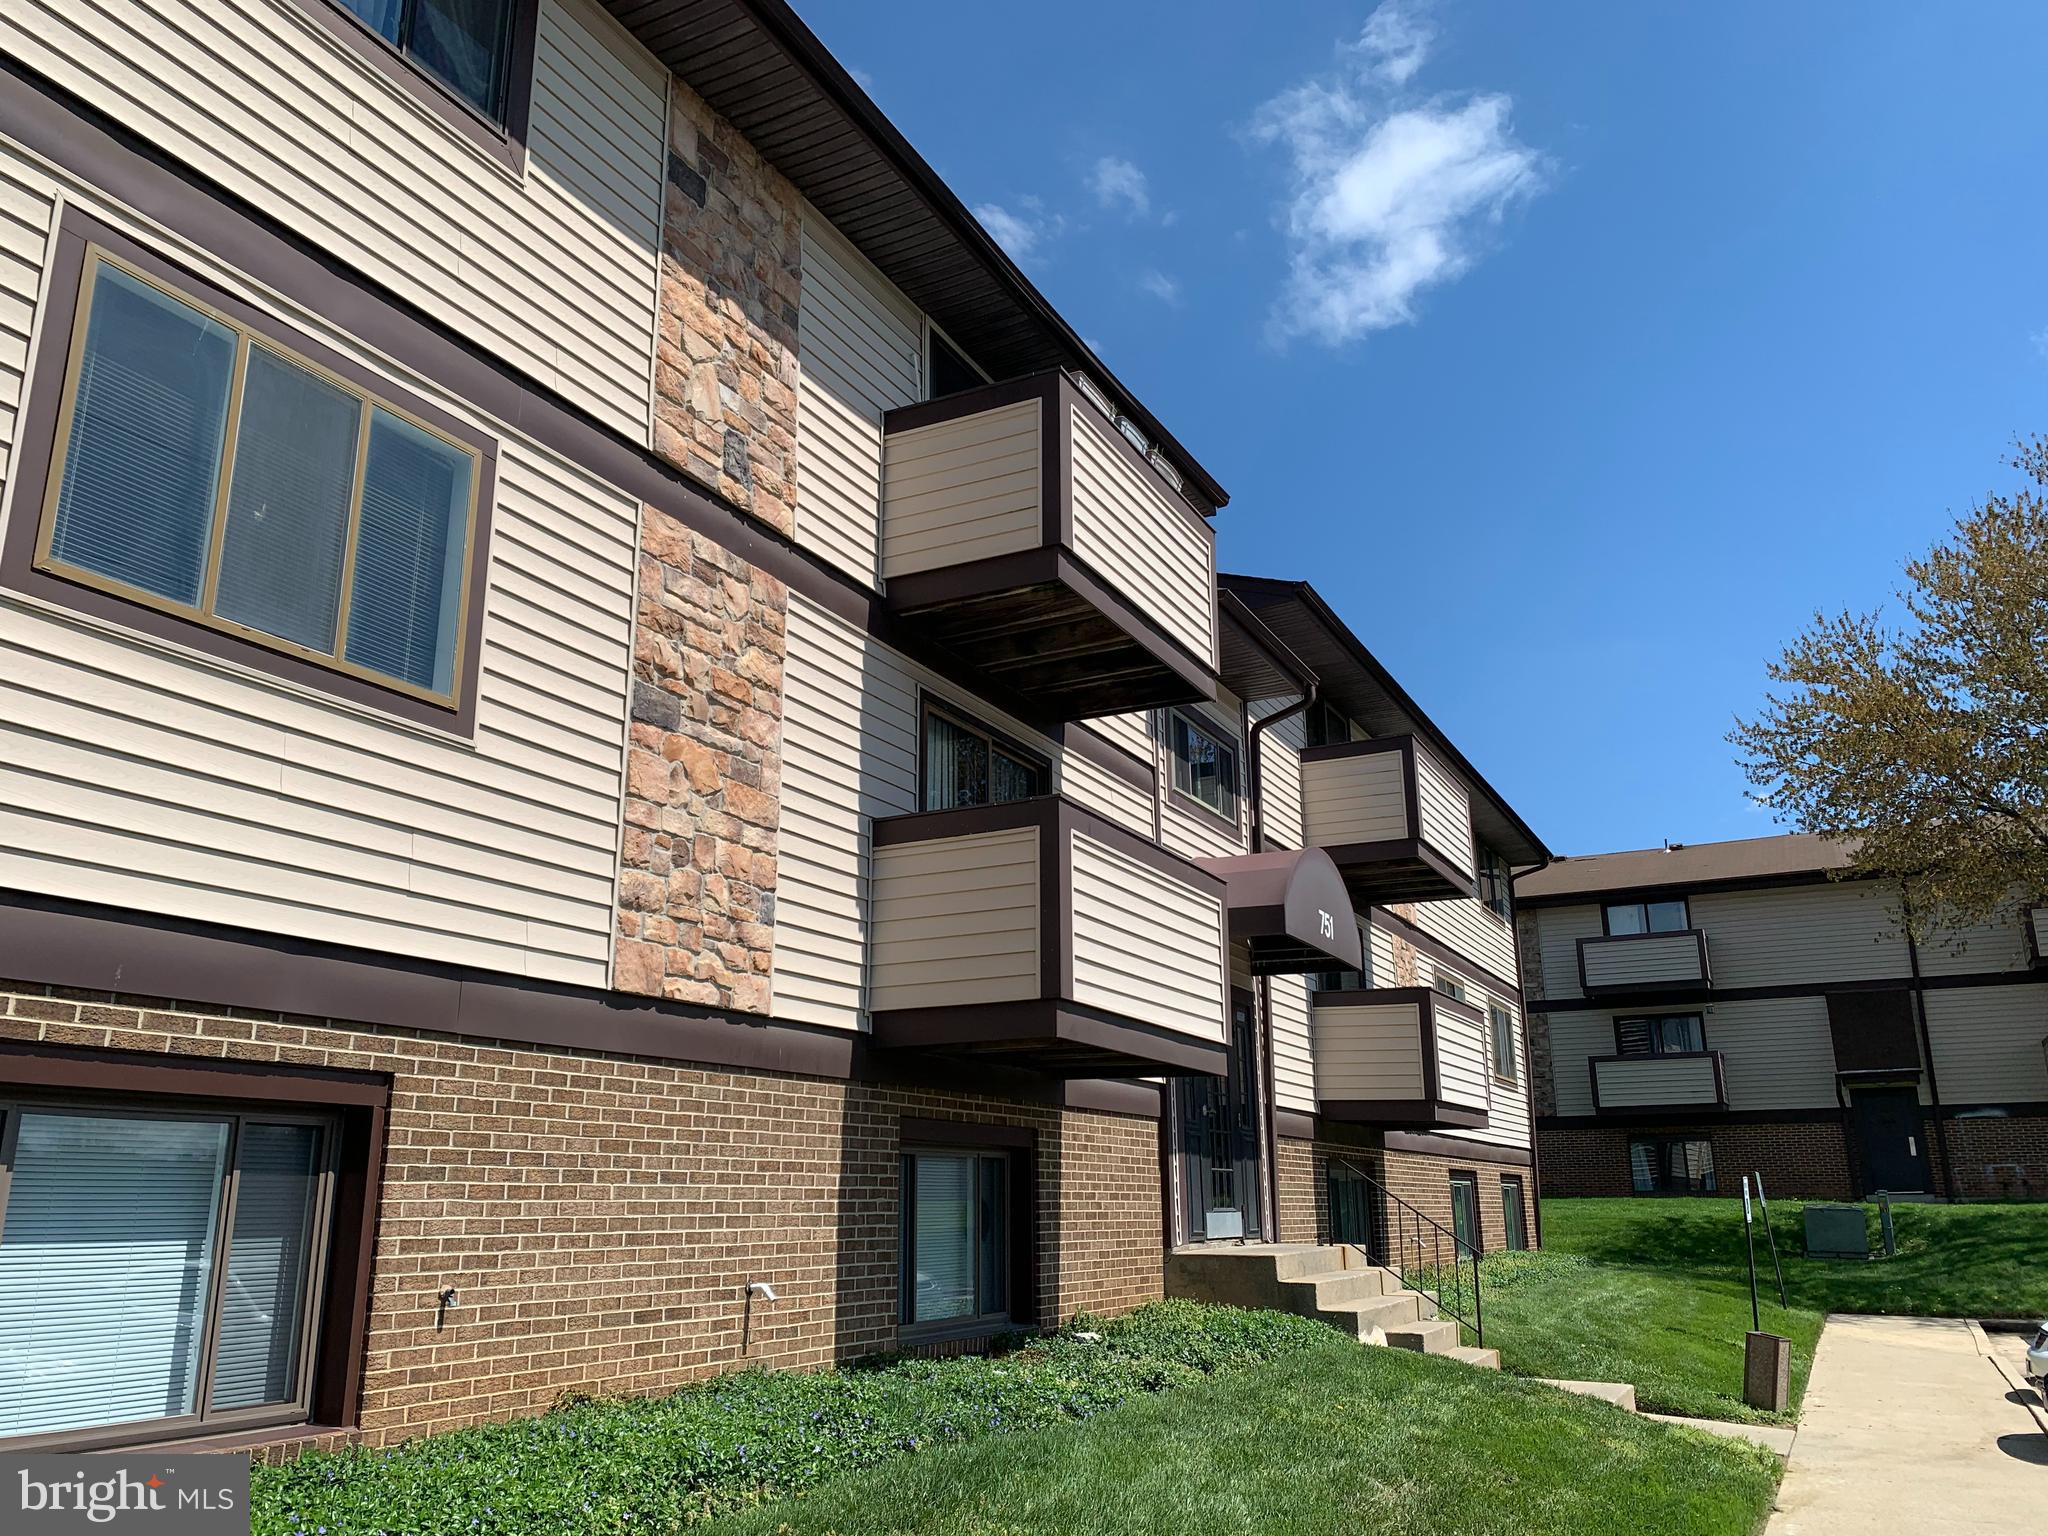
x=1292, y=909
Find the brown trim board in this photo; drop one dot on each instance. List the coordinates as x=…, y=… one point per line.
x=52, y=122
x=1677, y=997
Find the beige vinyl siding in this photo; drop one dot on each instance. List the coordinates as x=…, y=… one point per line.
x=1191, y=832
x=1507, y=1118
x=860, y=347
x=1988, y=1043
x=1134, y=733
x=849, y=755
x=1472, y=930
x=1354, y=799
x=1462, y=1076
x=140, y=774
x=962, y=490
x=1145, y=945
x=1778, y=1052
x=1576, y=1038
x=2000, y=945
x=1280, y=775
x=27, y=210
x=1652, y=1081
x=555, y=273
x=1130, y=533
x=1802, y=933
x=1663, y=959
x=956, y=921
x=1558, y=931
x=1369, y=1051
x=1294, y=1066
x=1106, y=793
x=1380, y=955
x=1444, y=809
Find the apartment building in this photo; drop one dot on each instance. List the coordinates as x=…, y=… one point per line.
x=1705, y=1011
x=624, y=756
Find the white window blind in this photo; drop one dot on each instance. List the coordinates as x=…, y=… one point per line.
x=944, y=1240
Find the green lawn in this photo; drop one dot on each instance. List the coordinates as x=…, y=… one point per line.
x=1655, y=1292
x=1335, y=1440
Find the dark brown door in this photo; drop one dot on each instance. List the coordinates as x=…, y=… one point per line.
x=1890, y=1139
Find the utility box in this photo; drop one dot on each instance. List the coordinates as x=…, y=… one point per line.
x=1837, y=1232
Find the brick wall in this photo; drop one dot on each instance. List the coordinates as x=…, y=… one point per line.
x=601, y=1216
x=725, y=371
x=1424, y=1181
x=1998, y=1157
x=697, y=850
x=1302, y=1196
x=1797, y=1158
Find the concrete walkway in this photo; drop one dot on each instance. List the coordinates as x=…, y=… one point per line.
x=1909, y=1427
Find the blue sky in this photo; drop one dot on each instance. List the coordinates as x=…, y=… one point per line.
x=1577, y=352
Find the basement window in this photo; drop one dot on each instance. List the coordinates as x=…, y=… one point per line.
x=1671, y=1165
x=956, y=1242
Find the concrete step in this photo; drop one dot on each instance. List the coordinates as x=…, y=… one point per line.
x=1438, y=1337
x=1483, y=1359
x=1298, y=1261
x=1619, y=1393
x=1361, y=1318
x=1244, y=1275
x=1334, y=1288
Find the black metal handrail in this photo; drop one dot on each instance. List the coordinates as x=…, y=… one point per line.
x=1412, y=1245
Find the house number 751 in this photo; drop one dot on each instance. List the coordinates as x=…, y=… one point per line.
x=1329, y=925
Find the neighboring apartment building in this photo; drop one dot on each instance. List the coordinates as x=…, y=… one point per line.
x=1705, y=1011
x=606, y=714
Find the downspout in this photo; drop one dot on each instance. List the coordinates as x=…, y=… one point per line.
x=1254, y=784
x=1941, y=1148
x=1528, y=1044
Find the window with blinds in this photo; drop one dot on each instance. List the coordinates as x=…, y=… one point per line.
x=157, y=1269
x=956, y=1257
x=205, y=470
x=966, y=763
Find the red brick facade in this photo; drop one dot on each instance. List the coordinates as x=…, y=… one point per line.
x=1423, y=1180
x=1998, y=1157
x=1806, y=1158
x=600, y=1217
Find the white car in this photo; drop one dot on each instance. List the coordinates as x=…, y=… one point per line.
x=2037, y=1361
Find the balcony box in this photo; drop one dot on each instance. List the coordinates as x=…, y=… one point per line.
x=1395, y=821
x=1026, y=535
x=1406, y=1056
x=1038, y=935
x=1641, y=1084
x=1618, y=964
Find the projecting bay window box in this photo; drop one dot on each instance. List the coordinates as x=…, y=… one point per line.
x=1394, y=820
x=1401, y=1056
x=1618, y=964
x=1038, y=935
x=1028, y=537
x=1689, y=1080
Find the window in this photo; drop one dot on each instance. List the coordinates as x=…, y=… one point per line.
x=956, y=1240
x=1452, y=986
x=1630, y=917
x=159, y=1268
x=1325, y=726
x=1496, y=885
x=466, y=45
x=204, y=471
x=968, y=764
x=1672, y=1166
x=1465, y=1212
x=1501, y=1029
x=1514, y=1214
x=1664, y=1034
x=1205, y=766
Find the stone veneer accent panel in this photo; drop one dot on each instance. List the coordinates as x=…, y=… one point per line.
x=601, y=1215
x=703, y=775
x=725, y=368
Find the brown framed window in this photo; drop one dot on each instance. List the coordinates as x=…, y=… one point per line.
x=1621, y=919
x=1514, y=1212
x=1204, y=765
x=199, y=473
x=1672, y=1165
x=468, y=61
x=957, y=1241
x=1660, y=1034
x=964, y=763
x=1501, y=1039
x=162, y=1267
x=1495, y=886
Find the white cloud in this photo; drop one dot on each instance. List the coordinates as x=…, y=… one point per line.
x=1116, y=180
x=1389, y=195
x=1023, y=231
x=1159, y=285
x=2040, y=340
x=1395, y=40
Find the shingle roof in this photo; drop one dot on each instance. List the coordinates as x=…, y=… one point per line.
x=1748, y=858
